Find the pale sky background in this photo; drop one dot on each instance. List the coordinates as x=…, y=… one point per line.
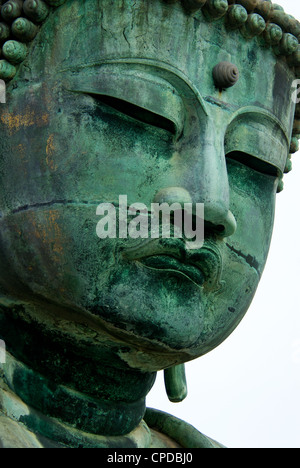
x=246, y=393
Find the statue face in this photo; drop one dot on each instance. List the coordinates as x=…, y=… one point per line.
x=136, y=113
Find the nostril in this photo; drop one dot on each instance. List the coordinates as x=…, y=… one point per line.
x=217, y=218
x=214, y=228
x=226, y=229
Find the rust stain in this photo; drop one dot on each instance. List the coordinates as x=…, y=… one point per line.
x=14, y=122
x=45, y=118
x=49, y=232
x=53, y=216
x=50, y=151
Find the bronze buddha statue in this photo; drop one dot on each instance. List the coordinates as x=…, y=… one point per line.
x=165, y=101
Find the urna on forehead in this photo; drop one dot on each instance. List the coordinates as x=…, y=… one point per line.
x=191, y=35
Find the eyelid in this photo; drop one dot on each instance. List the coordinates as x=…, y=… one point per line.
x=137, y=113
x=140, y=89
x=259, y=165
x=258, y=136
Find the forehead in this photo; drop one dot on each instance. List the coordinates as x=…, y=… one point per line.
x=82, y=36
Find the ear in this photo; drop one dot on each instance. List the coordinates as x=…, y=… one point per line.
x=175, y=382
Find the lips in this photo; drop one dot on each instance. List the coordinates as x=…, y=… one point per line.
x=171, y=264
x=202, y=266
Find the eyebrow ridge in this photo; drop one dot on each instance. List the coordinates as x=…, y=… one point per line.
x=165, y=69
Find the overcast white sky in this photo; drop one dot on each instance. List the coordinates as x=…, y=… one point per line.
x=245, y=394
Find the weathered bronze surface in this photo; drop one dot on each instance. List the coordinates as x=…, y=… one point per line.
x=107, y=98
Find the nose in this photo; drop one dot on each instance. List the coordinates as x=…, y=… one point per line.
x=197, y=172
x=218, y=218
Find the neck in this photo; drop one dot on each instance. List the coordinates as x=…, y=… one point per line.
x=76, y=386
x=53, y=430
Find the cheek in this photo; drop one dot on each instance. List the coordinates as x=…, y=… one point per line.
x=252, y=197
x=244, y=256
x=254, y=230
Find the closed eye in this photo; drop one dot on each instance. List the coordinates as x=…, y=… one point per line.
x=137, y=112
x=253, y=162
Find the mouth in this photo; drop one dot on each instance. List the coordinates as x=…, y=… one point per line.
x=203, y=267
x=172, y=264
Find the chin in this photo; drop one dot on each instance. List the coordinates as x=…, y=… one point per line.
x=165, y=318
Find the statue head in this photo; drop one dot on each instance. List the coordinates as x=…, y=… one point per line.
x=175, y=102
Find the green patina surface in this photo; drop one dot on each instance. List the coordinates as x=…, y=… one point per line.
x=119, y=98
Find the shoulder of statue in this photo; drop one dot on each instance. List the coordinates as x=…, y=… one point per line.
x=13, y=432
x=15, y=435
x=184, y=434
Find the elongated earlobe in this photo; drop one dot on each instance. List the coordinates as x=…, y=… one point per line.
x=175, y=383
